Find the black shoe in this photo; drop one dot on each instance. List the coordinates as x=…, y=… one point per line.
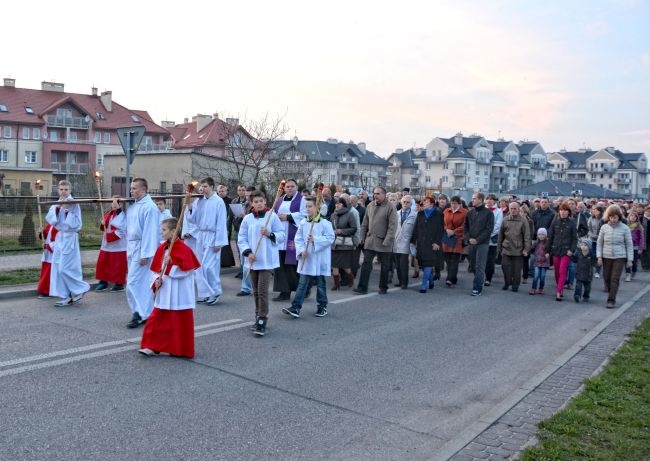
x=404, y=287
x=576, y=298
x=260, y=327
x=282, y=297
x=487, y=283
x=360, y=291
x=238, y=275
x=383, y=291
x=505, y=287
x=423, y=290
x=448, y=284
x=397, y=285
x=254, y=324
x=321, y=312
x=243, y=293
x=585, y=299
x=117, y=288
x=515, y=289
x=292, y=311
x=135, y=322
x=101, y=286
x=431, y=285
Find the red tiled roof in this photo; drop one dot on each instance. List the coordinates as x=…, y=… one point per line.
x=213, y=134
x=43, y=102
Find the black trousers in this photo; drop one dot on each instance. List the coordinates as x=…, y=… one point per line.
x=366, y=269
x=452, y=260
x=511, y=266
x=285, y=277
x=401, y=264
x=491, y=261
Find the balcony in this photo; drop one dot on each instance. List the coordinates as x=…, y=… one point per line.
x=538, y=166
x=601, y=169
x=527, y=177
x=70, y=141
x=623, y=180
x=459, y=172
x=511, y=163
x=499, y=174
x=154, y=147
x=482, y=161
x=70, y=168
x=67, y=122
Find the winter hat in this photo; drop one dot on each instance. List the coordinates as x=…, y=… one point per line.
x=541, y=231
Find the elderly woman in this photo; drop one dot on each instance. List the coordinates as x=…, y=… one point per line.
x=614, y=251
x=562, y=239
x=345, y=226
x=427, y=237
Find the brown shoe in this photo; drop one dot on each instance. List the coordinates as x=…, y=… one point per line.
x=350, y=279
x=416, y=274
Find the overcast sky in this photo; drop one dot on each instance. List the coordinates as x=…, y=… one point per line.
x=393, y=74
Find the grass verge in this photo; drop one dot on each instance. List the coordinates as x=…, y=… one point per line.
x=610, y=419
x=31, y=275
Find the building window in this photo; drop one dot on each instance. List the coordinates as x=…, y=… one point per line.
x=4, y=156
x=36, y=133
x=63, y=113
x=107, y=138
x=54, y=136
x=29, y=110
x=3, y=108
x=25, y=132
x=30, y=156
x=98, y=137
x=72, y=137
x=100, y=160
x=6, y=131
x=163, y=187
x=333, y=178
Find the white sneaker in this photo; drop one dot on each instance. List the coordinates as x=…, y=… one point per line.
x=202, y=300
x=76, y=298
x=147, y=352
x=628, y=277
x=597, y=275
x=63, y=302
x=212, y=300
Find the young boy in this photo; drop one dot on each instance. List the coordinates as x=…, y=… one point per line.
x=314, y=259
x=111, y=263
x=584, y=260
x=170, y=327
x=48, y=235
x=164, y=213
x=267, y=257
x=66, y=279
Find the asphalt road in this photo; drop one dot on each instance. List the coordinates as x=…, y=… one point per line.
x=381, y=377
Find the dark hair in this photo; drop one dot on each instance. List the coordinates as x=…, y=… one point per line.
x=170, y=223
x=256, y=194
x=481, y=196
x=250, y=189
x=292, y=180
x=490, y=196
x=142, y=182
x=209, y=181
x=310, y=199
x=455, y=199
x=158, y=200
x=343, y=202
x=383, y=190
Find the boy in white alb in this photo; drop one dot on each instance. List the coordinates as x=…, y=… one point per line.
x=209, y=215
x=66, y=279
x=164, y=214
x=267, y=257
x=111, y=263
x=314, y=240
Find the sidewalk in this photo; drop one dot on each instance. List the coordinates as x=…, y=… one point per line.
x=33, y=260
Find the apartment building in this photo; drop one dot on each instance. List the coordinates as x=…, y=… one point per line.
x=50, y=134
x=609, y=168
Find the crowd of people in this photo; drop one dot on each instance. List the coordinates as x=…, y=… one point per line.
x=294, y=243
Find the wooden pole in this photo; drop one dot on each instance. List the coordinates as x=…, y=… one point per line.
x=268, y=218
x=99, y=192
x=119, y=199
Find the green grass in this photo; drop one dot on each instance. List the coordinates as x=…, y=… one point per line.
x=23, y=276
x=11, y=244
x=610, y=419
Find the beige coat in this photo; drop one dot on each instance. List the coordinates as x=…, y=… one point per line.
x=514, y=236
x=379, y=227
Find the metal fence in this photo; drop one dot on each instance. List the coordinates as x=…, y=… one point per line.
x=20, y=223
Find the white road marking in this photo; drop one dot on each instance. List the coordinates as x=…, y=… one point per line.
x=122, y=342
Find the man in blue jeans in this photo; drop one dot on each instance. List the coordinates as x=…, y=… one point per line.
x=478, y=228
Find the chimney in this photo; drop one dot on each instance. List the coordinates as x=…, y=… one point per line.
x=93, y=91
x=215, y=115
x=232, y=121
x=201, y=121
x=362, y=147
x=10, y=82
x=52, y=86
x=399, y=151
x=332, y=141
x=107, y=100
x=459, y=139
x=167, y=124
x=186, y=120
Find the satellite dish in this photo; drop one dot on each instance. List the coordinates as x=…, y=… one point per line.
x=44, y=134
x=87, y=118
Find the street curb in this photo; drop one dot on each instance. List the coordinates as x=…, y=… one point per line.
x=29, y=290
x=484, y=422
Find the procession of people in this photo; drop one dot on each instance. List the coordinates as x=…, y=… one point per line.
x=167, y=265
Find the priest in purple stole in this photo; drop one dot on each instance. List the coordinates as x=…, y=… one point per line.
x=290, y=208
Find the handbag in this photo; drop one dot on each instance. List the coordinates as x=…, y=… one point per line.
x=343, y=242
x=449, y=240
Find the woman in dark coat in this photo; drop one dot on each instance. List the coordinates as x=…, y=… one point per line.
x=562, y=239
x=345, y=225
x=427, y=237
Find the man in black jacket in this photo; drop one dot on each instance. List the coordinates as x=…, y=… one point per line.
x=543, y=216
x=478, y=227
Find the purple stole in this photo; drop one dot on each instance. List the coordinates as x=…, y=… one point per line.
x=290, y=257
